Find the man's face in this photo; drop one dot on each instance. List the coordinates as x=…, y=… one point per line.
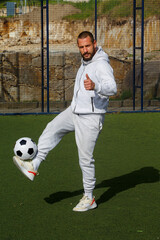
x=87, y=48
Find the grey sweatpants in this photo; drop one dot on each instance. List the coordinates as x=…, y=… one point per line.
x=87, y=128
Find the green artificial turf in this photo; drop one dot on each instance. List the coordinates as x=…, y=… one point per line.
x=127, y=189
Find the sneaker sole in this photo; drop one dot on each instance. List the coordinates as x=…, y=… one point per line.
x=23, y=170
x=93, y=206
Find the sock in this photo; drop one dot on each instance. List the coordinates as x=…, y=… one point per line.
x=89, y=195
x=36, y=163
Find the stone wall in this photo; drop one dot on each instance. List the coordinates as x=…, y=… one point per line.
x=20, y=75
x=111, y=35
x=20, y=60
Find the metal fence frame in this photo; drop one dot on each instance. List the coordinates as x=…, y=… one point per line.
x=141, y=48
x=135, y=9
x=46, y=50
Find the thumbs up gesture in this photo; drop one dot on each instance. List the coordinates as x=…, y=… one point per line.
x=88, y=83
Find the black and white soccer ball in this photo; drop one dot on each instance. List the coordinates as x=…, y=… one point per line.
x=25, y=148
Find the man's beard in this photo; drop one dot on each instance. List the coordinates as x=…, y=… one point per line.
x=91, y=56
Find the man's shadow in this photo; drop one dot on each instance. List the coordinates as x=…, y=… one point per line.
x=113, y=186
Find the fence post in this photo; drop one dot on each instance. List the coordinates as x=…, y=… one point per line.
x=42, y=60
x=42, y=54
x=135, y=8
x=96, y=20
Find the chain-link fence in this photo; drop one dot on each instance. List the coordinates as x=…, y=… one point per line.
x=112, y=22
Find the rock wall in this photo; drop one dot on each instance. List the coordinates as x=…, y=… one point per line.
x=20, y=60
x=151, y=80
x=120, y=36
x=20, y=75
x=111, y=35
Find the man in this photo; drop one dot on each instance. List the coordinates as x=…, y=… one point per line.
x=93, y=85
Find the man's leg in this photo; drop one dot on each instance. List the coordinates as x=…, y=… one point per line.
x=53, y=133
x=87, y=129
x=50, y=137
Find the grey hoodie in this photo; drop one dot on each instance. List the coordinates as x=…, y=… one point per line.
x=101, y=73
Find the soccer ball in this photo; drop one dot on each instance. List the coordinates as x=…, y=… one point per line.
x=25, y=148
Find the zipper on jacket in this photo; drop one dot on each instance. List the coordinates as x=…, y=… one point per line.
x=92, y=104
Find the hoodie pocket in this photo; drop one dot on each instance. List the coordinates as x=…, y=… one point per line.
x=92, y=103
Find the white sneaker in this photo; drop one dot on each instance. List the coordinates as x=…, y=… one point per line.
x=26, y=167
x=85, y=204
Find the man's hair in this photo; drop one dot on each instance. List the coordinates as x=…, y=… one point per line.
x=86, y=34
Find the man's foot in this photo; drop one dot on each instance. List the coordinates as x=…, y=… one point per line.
x=85, y=204
x=26, y=167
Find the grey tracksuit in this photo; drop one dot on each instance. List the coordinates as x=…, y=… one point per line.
x=85, y=116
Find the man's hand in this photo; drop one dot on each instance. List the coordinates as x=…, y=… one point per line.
x=88, y=83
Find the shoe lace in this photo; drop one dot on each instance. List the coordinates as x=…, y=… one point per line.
x=84, y=200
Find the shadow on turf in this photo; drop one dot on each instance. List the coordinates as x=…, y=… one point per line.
x=114, y=185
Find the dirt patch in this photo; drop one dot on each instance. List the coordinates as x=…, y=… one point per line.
x=56, y=12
